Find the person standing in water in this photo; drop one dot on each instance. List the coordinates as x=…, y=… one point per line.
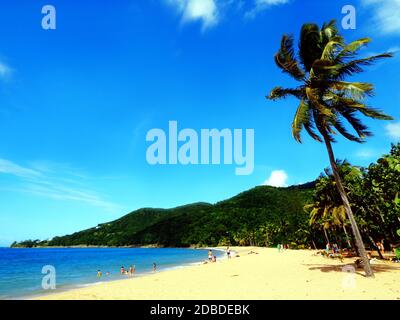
x=99, y=274
x=210, y=255
x=154, y=267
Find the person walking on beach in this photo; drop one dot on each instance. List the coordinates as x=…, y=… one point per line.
x=131, y=271
x=328, y=248
x=228, y=252
x=210, y=255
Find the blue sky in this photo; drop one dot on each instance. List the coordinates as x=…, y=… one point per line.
x=76, y=102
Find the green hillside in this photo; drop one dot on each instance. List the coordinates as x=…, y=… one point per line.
x=261, y=216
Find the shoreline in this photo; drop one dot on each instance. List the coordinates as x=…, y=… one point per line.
x=293, y=275
x=72, y=287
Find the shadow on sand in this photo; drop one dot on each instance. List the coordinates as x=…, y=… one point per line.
x=378, y=268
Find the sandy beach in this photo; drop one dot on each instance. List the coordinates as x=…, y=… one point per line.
x=267, y=275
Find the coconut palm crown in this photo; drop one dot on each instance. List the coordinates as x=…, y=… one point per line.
x=327, y=101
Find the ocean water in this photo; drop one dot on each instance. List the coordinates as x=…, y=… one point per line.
x=21, y=269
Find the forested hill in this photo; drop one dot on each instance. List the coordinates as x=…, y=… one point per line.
x=261, y=216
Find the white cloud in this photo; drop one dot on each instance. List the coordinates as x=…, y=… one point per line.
x=386, y=14
x=9, y=167
x=205, y=11
x=209, y=12
x=393, y=130
x=261, y=5
x=5, y=71
x=394, y=49
x=64, y=184
x=278, y=178
x=365, y=154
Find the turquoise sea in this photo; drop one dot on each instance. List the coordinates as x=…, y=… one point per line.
x=21, y=269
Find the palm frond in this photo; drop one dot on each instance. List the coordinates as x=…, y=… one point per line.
x=310, y=130
x=301, y=118
x=340, y=102
x=343, y=131
x=281, y=93
x=374, y=113
x=331, y=47
x=328, y=32
x=356, y=66
x=285, y=59
x=310, y=45
x=351, y=49
x=355, y=90
x=358, y=126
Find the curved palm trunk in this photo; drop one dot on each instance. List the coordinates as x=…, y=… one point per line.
x=326, y=236
x=346, y=203
x=347, y=236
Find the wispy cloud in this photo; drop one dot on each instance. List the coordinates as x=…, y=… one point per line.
x=5, y=71
x=205, y=11
x=395, y=49
x=209, y=12
x=262, y=5
x=393, y=131
x=386, y=14
x=366, y=154
x=278, y=178
x=53, y=181
x=12, y=168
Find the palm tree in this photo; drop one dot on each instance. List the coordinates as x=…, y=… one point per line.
x=327, y=210
x=327, y=101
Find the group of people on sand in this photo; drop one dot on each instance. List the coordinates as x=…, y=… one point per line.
x=282, y=247
x=128, y=272
x=394, y=247
x=334, y=248
x=333, y=251
x=212, y=258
